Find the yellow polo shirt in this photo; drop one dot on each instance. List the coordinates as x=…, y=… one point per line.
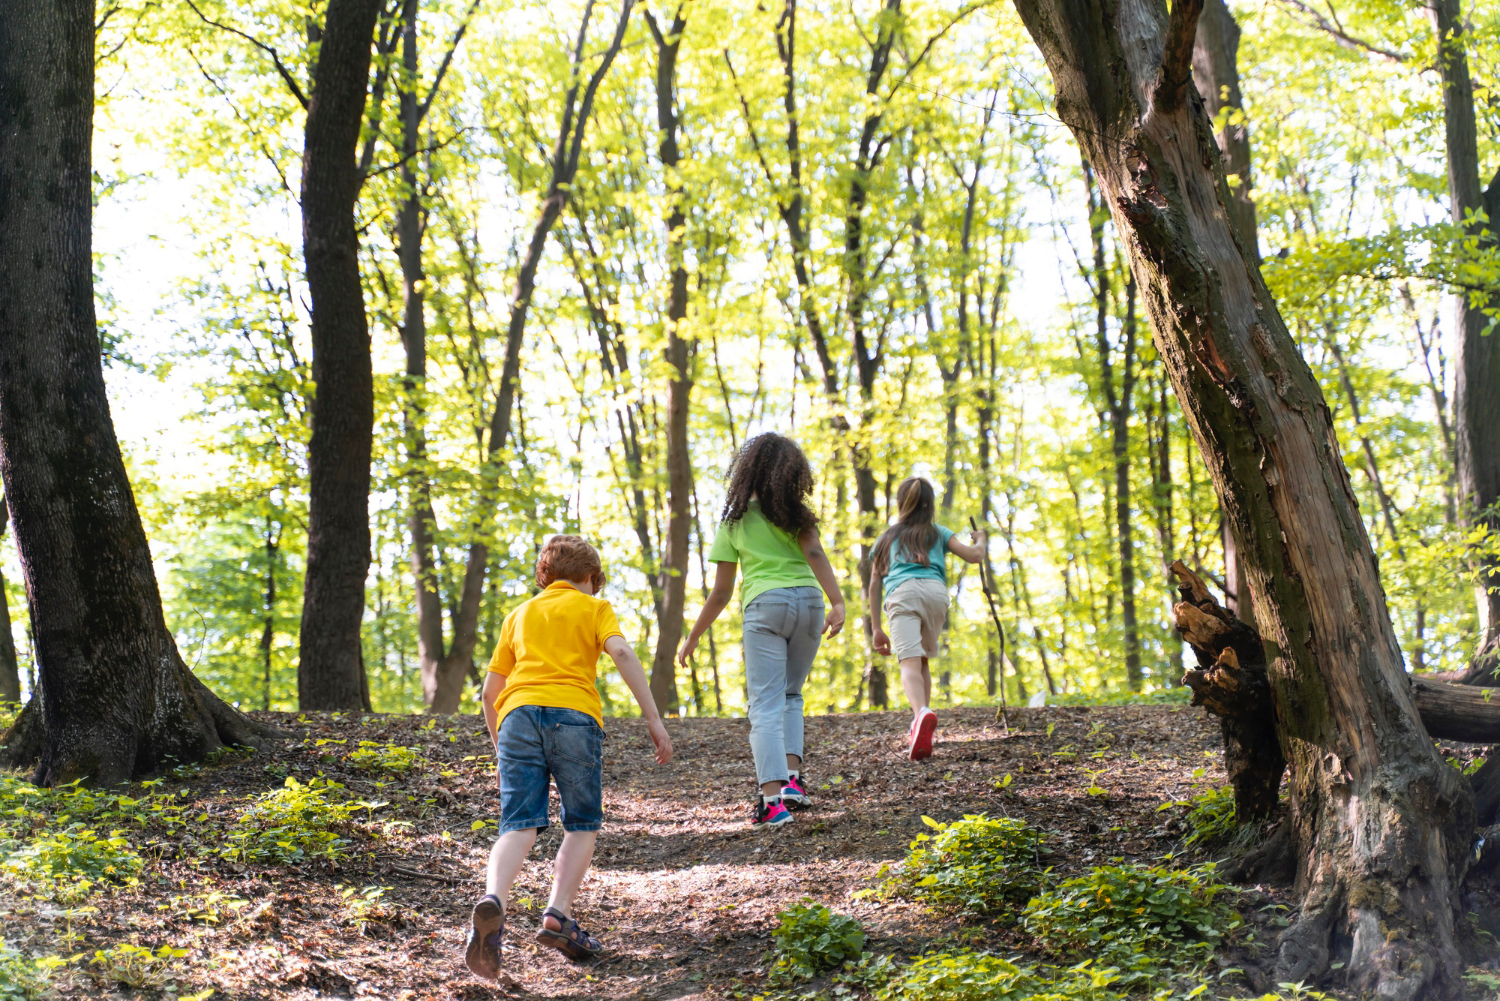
x=549, y=649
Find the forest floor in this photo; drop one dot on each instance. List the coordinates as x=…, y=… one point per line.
x=684, y=894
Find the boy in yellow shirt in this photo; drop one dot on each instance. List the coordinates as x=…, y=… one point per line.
x=545, y=719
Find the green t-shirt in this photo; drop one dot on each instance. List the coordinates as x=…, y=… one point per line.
x=903, y=567
x=768, y=556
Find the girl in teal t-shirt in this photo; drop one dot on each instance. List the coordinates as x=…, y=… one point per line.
x=909, y=564
x=771, y=534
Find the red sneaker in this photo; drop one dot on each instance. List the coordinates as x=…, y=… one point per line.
x=921, y=734
x=794, y=796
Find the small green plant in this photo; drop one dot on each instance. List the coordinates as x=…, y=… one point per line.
x=363, y=908
x=23, y=978
x=1125, y=914
x=294, y=824
x=812, y=939
x=139, y=967
x=1211, y=818
x=982, y=976
x=212, y=908
x=67, y=864
x=979, y=864
x=387, y=759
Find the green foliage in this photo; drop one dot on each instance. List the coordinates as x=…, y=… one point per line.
x=363, y=908
x=8, y=713
x=387, y=759
x=294, y=824
x=1122, y=914
x=138, y=967
x=67, y=864
x=811, y=938
x=980, y=864
x=22, y=978
x=1211, y=817
x=982, y=976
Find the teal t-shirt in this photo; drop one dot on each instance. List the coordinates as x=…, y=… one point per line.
x=903, y=568
x=768, y=556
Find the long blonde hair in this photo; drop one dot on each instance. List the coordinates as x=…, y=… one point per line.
x=914, y=531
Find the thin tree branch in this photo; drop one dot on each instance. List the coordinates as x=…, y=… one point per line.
x=437, y=80
x=1177, y=56
x=286, y=74
x=1338, y=32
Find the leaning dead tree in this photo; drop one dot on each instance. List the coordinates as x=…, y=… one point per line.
x=1230, y=681
x=1380, y=825
x=115, y=700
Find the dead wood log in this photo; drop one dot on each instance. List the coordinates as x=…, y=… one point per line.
x=1230, y=682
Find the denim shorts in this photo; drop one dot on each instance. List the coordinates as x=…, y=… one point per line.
x=537, y=742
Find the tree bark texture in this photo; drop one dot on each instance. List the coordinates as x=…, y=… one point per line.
x=115, y=699
x=1382, y=826
x=1216, y=73
x=679, y=357
x=1476, y=374
x=330, y=668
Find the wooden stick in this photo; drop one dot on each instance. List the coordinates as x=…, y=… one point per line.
x=986, y=580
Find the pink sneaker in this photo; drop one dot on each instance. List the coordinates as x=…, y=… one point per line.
x=767, y=815
x=794, y=796
x=921, y=734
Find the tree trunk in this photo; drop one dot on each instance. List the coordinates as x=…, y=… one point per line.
x=565, y=155
x=10, y=669
x=330, y=667
x=674, y=564
x=1476, y=374
x=115, y=699
x=1382, y=826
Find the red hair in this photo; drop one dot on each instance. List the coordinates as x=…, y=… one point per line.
x=568, y=557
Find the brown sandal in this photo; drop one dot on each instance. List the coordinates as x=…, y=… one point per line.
x=570, y=940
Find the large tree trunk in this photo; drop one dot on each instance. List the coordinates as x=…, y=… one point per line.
x=1382, y=826
x=330, y=668
x=115, y=699
x=674, y=565
x=1476, y=375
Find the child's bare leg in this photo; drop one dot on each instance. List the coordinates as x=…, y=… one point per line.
x=506, y=859
x=794, y=763
x=573, y=859
x=916, y=682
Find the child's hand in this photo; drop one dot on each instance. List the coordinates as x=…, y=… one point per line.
x=834, y=621
x=685, y=654
x=980, y=538
x=661, y=739
x=882, y=642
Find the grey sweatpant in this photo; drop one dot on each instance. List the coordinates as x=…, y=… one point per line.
x=783, y=628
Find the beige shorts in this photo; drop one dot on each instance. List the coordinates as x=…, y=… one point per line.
x=916, y=610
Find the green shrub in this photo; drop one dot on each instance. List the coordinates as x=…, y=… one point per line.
x=67, y=864
x=978, y=864
x=387, y=759
x=982, y=976
x=1126, y=913
x=811, y=939
x=294, y=824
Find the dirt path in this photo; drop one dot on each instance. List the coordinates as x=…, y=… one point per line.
x=683, y=893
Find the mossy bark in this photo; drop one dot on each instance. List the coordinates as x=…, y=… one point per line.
x=1382, y=826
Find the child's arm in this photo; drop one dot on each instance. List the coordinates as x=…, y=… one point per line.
x=716, y=602
x=494, y=684
x=878, y=638
x=630, y=669
x=970, y=553
x=812, y=550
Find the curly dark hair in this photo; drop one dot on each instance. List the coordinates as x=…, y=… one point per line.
x=771, y=468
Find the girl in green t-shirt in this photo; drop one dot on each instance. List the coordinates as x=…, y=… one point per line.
x=770, y=532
